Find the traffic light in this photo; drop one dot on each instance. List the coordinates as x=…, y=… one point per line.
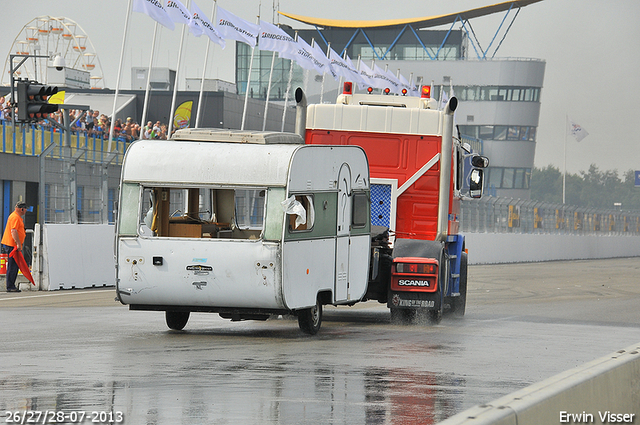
x=32, y=101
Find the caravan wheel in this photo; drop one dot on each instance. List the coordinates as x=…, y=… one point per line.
x=310, y=319
x=177, y=320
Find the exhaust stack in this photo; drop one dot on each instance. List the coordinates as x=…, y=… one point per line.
x=301, y=113
x=445, y=166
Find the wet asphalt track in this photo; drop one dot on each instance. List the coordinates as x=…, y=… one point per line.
x=79, y=351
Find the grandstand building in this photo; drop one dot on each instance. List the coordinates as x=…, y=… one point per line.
x=500, y=98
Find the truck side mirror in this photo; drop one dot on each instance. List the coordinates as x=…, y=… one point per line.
x=476, y=183
x=480, y=161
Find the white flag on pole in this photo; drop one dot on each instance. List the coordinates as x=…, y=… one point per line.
x=233, y=28
x=317, y=58
x=357, y=79
x=155, y=10
x=385, y=79
x=404, y=84
x=206, y=25
x=300, y=56
x=274, y=39
x=396, y=85
x=577, y=131
x=322, y=58
x=366, y=75
x=181, y=15
x=344, y=67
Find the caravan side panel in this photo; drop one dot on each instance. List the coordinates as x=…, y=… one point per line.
x=308, y=268
x=198, y=272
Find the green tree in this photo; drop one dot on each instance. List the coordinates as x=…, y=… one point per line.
x=546, y=184
x=591, y=188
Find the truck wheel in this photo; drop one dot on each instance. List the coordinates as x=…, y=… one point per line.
x=459, y=303
x=310, y=319
x=435, y=316
x=177, y=320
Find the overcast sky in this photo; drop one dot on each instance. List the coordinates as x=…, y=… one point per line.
x=591, y=49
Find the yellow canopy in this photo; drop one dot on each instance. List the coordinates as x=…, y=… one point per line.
x=425, y=22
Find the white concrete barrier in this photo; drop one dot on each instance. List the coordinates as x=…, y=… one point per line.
x=77, y=256
x=493, y=248
x=606, y=390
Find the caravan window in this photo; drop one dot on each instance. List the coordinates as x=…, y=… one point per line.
x=361, y=210
x=301, y=213
x=249, y=208
x=201, y=212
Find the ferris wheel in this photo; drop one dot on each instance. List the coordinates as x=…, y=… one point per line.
x=50, y=37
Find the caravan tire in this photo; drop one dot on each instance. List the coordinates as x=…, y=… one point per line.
x=177, y=320
x=310, y=319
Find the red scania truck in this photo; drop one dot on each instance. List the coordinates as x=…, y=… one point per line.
x=417, y=172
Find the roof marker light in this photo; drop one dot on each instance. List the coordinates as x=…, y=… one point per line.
x=404, y=92
x=347, y=88
x=369, y=90
x=426, y=92
x=387, y=90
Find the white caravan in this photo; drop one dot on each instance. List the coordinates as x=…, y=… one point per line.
x=244, y=224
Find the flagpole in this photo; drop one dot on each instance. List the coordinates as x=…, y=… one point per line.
x=286, y=95
x=564, y=171
x=313, y=43
x=266, y=102
x=204, y=68
x=146, y=93
x=115, y=97
x=175, y=84
x=246, y=94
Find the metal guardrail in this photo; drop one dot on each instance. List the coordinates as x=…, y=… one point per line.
x=506, y=215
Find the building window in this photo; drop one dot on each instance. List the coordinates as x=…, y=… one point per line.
x=494, y=93
x=500, y=132
x=508, y=178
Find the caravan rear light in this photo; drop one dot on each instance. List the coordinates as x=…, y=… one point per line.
x=347, y=88
x=426, y=92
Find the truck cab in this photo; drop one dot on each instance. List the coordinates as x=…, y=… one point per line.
x=417, y=182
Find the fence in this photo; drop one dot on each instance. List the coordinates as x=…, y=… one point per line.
x=78, y=177
x=32, y=140
x=506, y=215
x=80, y=185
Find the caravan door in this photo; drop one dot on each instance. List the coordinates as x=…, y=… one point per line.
x=341, y=291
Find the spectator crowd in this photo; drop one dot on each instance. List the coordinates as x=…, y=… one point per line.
x=93, y=123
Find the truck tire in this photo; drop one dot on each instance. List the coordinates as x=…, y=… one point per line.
x=458, y=304
x=177, y=320
x=310, y=319
x=435, y=316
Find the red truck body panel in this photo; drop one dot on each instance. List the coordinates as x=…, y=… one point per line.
x=399, y=157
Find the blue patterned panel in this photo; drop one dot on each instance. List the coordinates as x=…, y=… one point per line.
x=380, y=204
